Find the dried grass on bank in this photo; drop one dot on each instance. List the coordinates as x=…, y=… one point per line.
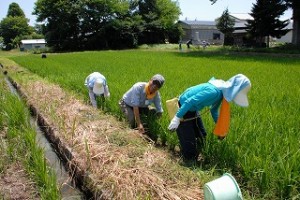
x=120, y=162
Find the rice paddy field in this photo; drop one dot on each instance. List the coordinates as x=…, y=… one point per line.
x=262, y=147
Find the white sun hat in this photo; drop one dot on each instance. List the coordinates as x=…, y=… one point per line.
x=98, y=86
x=241, y=98
x=235, y=89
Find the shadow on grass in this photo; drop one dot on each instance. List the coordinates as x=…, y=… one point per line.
x=225, y=54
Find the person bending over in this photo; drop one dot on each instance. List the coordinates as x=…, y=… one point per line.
x=136, y=101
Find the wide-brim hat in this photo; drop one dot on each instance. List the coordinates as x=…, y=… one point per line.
x=241, y=97
x=98, y=87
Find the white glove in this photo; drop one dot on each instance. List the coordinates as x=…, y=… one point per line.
x=106, y=91
x=174, y=124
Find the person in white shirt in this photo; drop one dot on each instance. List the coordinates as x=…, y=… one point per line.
x=97, y=86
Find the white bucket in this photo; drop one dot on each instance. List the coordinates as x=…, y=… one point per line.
x=223, y=188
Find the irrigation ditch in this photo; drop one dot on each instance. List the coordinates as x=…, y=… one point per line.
x=75, y=182
x=103, y=157
x=70, y=177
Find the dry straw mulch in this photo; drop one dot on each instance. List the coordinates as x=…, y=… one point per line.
x=120, y=163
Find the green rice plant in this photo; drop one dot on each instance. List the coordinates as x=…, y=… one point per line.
x=16, y=116
x=262, y=146
x=37, y=164
x=21, y=144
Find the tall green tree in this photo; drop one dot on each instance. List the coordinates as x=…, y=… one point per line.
x=61, y=22
x=159, y=16
x=225, y=24
x=98, y=24
x=14, y=26
x=78, y=24
x=266, y=20
x=101, y=22
x=124, y=31
x=14, y=10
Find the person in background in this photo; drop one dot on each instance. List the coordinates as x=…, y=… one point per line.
x=97, y=86
x=187, y=121
x=189, y=42
x=180, y=45
x=135, y=102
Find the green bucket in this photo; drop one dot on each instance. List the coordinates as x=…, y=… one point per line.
x=223, y=188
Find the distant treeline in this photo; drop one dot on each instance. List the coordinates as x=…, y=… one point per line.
x=102, y=24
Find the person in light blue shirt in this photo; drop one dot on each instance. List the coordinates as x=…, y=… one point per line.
x=97, y=86
x=187, y=121
x=139, y=97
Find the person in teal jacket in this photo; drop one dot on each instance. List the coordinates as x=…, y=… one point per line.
x=187, y=121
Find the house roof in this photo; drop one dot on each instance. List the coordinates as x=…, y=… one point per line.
x=195, y=23
x=241, y=16
x=198, y=23
x=34, y=41
x=240, y=25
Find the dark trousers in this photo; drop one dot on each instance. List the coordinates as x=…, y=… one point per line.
x=191, y=134
x=127, y=110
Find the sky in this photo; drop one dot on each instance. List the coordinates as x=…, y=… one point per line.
x=201, y=10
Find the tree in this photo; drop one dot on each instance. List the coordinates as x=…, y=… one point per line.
x=159, y=16
x=14, y=27
x=266, y=20
x=99, y=24
x=78, y=24
x=14, y=10
x=61, y=28
x=225, y=24
x=102, y=23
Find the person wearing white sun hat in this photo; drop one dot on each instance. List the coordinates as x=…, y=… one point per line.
x=215, y=93
x=97, y=86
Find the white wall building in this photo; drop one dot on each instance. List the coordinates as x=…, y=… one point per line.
x=287, y=38
x=200, y=31
x=32, y=44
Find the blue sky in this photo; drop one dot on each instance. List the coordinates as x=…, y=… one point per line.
x=191, y=9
